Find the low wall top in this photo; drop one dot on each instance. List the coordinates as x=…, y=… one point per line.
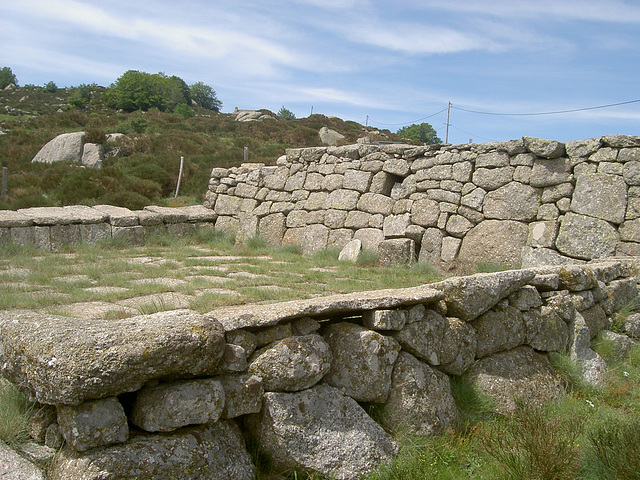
x=532, y=201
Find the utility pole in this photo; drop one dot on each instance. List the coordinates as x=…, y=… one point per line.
x=446, y=138
x=366, y=122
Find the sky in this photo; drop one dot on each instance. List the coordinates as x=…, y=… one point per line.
x=385, y=64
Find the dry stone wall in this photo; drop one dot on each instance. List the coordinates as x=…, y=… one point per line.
x=528, y=201
x=49, y=228
x=176, y=394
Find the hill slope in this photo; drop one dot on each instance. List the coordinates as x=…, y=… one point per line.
x=143, y=167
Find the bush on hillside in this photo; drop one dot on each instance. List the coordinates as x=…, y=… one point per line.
x=7, y=77
x=205, y=96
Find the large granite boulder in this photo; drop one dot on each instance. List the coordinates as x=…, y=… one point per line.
x=420, y=399
x=320, y=429
x=586, y=237
x=469, y=297
x=15, y=467
x=496, y=241
x=499, y=329
x=362, y=361
x=62, y=360
x=213, y=452
x=93, y=155
x=293, y=363
x=514, y=201
x=423, y=336
x=329, y=136
x=168, y=406
x=66, y=147
x=93, y=424
x=457, y=349
x=601, y=196
x=520, y=373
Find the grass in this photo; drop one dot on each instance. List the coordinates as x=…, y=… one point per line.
x=592, y=434
x=15, y=412
x=197, y=266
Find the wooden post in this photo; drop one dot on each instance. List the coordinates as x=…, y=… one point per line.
x=179, y=177
x=246, y=154
x=5, y=174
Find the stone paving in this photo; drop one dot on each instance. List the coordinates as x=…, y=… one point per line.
x=194, y=282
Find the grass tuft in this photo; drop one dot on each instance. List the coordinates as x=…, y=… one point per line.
x=15, y=412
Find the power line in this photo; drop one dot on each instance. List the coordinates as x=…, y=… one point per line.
x=409, y=123
x=548, y=113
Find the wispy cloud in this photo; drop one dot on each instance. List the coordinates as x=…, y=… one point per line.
x=615, y=11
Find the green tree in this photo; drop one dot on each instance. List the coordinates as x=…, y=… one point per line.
x=51, y=87
x=81, y=96
x=135, y=90
x=286, y=114
x=205, y=96
x=422, y=132
x=7, y=77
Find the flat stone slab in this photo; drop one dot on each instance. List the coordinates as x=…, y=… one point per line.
x=86, y=214
x=49, y=215
x=118, y=216
x=9, y=218
x=61, y=360
x=243, y=316
x=169, y=215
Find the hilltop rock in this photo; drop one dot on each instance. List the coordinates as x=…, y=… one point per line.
x=93, y=155
x=67, y=147
x=250, y=115
x=330, y=137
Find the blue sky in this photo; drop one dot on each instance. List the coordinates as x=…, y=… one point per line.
x=387, y=63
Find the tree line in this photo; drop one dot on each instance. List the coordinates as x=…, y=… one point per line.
x=135, y=90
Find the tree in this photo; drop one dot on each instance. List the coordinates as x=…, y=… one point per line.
x=81, y=95
x=286, y=114
x=423, y=132
x=7, y=77
x=205, y=96
x=51, y=87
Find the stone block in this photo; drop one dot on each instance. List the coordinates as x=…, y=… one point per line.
x=395, y=226
x=543, y=234
x=601, y=196
x=396, y=251
x=131, y=235
x=314, y=238
x=169, y=406
x=94, y=423
x=585, y=237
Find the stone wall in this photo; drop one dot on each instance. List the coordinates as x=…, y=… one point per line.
x=50, y=228
x=532, y=201
x=176, y=394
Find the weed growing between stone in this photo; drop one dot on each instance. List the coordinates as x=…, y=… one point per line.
x=15, y=412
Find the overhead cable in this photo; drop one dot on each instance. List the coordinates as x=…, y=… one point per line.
x=547, y=113
x=409, y=123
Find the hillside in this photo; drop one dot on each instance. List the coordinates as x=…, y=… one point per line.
x=143, y=167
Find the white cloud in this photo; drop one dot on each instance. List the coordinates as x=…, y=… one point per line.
x=616, y=11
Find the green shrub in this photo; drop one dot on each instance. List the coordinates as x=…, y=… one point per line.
x=184, y=111
x=51, y=87
x=534, y=444
x=616, y=444
x=81, y=96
